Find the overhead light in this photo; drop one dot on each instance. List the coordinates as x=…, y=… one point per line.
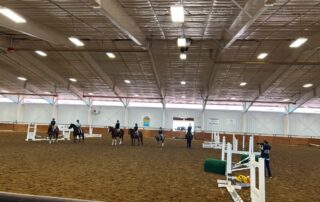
x=90, y=93
x=41, y=53
x=183, y=83
x=307, y=85
x=233, y=98
x=262, y=56
x=183, y=56
x=76, y=41
x=286, y=100
x=127, y=81
x=111, y=55
x=136, y=95
x=298, y=42
x=72, y=79
x=4, y=91
x=22, y=78
x=12, y=15
x=243, y=83
x=48, y=93
x=177, y=13
x=183, y=97
x=182, y=42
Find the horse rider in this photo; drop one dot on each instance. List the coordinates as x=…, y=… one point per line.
x=161, y=136
x=189, y=128
x=117, y=127
x=136, y=129
x=78, y=126
x=265, y=152
x=53, y=123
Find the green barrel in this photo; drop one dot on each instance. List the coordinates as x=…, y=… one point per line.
x=215, y=166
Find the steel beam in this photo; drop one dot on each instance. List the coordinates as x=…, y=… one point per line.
x=114, y=11
x=304, y=98
x=156, y=75
x=36, y=30
x=247, y=16
x=99, y=71
x=28, y=60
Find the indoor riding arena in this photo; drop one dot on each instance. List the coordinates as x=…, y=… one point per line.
x=159, y=100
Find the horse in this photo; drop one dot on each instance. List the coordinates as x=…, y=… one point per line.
x=115, y=134
x=159, y=138
x=77, y=132
x=135, y=137
x=189, y=138
x=53, y=133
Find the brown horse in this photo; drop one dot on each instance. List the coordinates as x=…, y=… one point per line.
x=53, y=133
x=77, y=133
x=135, y=136
x=115, y=134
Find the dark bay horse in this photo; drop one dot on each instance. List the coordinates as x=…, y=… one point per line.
x=53, y=133
x=134, y=137
x=77, y=132
x=189, y=138
x=160, y=138
x=115, y=134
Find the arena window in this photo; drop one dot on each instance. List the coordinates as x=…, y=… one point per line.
x=184, y=106
x=143, y=104
x=225, y=107
x=34, y=101
x=267, y=109
x=71, y=102
x=4, y=99
x=106, y=103
x=307, y=110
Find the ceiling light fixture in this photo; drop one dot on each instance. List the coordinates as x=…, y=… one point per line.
x=12, y=15
x=233, y=98
x=307, y=85
x=183, y=83
x=90, y=93
x=262, y=56
x=72, y=79
x=76, y=41
x=136, y=95
x=243, y=83
x=298, y=42
x=4, y=91
x=127, y=81
x=182, y=42
x=286, y=100
x=41, y=53
x=48, y=93
x=183, y=97
x=111, y=55
x=22, y=78
x=183, y=56
x=177, y=13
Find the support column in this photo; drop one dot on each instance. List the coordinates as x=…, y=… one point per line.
x=90, y=114
x=19, y=112
x=203, y=120
x=244, y=122
x=126, y=117
x=163, y=118
x=54, y=113
x=286, y=127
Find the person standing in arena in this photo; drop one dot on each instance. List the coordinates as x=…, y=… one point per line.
x=265, y=153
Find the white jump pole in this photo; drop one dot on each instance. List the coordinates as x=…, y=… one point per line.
x=229, y=160
x=234, y=143
x=243, y=142
x=223, y=147
x=257, y=195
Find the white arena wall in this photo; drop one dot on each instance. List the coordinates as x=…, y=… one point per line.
x=225, y=120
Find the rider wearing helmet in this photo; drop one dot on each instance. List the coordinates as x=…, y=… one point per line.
x=117, y=126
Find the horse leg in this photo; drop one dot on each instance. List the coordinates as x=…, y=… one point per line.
x=120, y=140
